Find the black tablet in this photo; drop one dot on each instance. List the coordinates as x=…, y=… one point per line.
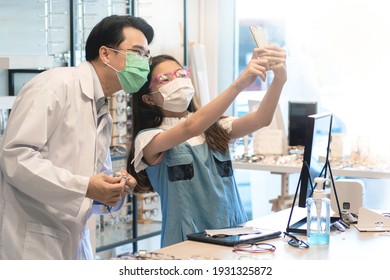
x=231, y=240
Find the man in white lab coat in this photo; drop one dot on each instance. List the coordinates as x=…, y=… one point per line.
x=54, y=158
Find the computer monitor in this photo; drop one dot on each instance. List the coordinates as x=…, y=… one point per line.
x=297, y=117
x=315, y=163
x=316, y=153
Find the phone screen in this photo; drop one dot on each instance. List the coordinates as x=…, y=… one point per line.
x=259, y=36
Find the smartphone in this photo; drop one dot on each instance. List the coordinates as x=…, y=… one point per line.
x=259, y=36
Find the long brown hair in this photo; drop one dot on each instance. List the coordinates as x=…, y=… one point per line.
x=145, y=116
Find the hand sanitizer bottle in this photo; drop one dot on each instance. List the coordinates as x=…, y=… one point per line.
x=318, y=215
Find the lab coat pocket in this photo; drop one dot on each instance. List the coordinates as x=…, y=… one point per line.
x=223, y=164
x=180, y=167
x=43, y=243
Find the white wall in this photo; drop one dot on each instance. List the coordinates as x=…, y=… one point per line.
x=212, y=24
x=167, y=20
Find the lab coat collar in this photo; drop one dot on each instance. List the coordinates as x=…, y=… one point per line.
x=90, y=85
x=97, y=87
x=87, y=84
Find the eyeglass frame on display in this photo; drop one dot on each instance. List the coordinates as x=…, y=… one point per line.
x=153, y=212
x=119, y=110
x=150, y=199
x=120, y=124
x=120, y=97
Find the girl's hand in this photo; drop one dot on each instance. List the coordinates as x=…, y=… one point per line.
x=257, y=67
x=263, y=59
x=276, y=57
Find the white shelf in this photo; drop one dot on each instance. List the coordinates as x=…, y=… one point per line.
x=6, y=102
x=26, y=62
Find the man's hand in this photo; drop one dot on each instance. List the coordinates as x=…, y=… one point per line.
x=130, y=181
x=106, y=189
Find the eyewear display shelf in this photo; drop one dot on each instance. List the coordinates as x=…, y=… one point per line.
x=285, y=165
x=112, y=236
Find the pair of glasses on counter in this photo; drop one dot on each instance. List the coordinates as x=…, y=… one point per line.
x=254, y=247
x=262, y=247
x=145, y=255
x=295, y=241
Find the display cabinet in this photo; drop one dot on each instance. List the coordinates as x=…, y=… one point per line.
x=123, y=231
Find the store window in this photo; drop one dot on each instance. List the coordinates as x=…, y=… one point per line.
x=337, y=56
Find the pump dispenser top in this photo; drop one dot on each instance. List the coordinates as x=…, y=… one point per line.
x=319, y=191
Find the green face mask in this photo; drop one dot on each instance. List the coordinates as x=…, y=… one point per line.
x=135, y=73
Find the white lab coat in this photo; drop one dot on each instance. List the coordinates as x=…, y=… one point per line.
x=48, y=154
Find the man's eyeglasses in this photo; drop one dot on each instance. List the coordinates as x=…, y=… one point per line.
x=140, y=52
x=170, y=76
x=295, y=242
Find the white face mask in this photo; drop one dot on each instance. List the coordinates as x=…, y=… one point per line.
x=177, y=95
